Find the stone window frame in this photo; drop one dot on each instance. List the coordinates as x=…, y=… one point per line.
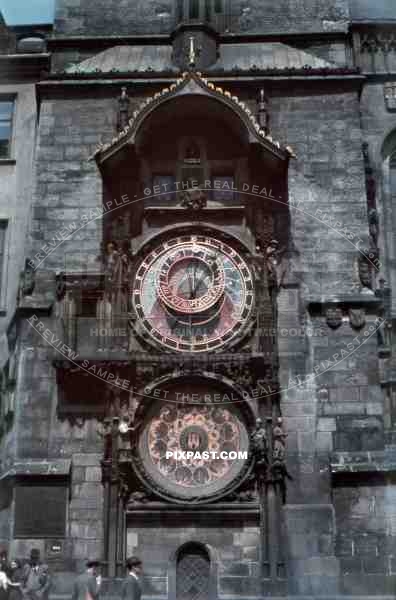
x=9, y=98
x=42, y=482
x=213, y=567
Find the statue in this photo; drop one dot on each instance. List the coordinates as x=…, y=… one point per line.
x=278, y=469
x=123, y=110
x=334, y=317
x=112, y=306
x=365, y=274
x=260, y=447
x=263, y=116
x=193, y=199
x=373, y=226
x=276, y=261
x=27, y=279
x=279, y=442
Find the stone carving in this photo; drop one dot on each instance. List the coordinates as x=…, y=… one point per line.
x=193, y=199
x=192, y=52
x=60, y=285
x=357, y=317
x=27, y=279
x=365, y=274
x=123, y=110
x=262, y=113
x=112, y=306
x=384, y=332
x=371, y=187
x=272, y=261
x=139, y=498
x=334, y=317
x=259, y=442
x=278, y=468
x=373, y=226
x=66, y=311
x=278, y=442
x=390, y=95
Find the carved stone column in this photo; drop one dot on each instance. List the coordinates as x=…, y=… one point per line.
x=268, y=445
x=113, y=501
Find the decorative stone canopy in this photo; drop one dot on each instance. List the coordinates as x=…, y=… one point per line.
x=191, y=83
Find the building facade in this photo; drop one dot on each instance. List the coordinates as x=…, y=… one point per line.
x=23, y=57
x=209, y=264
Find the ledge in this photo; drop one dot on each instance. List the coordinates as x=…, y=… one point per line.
x=36, y=468
x=320, y=303
x=162, y=511
x=377, y=461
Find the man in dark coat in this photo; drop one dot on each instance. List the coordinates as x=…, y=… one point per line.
x=132, y=586
x=35, y=579
x=87, y=585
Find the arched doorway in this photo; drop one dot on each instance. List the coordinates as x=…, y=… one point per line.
x=193, y=573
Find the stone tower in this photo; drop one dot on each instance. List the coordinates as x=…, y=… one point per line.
x=204, y=364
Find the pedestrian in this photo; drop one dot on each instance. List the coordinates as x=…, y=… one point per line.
x=87, y=585
x=4, y=589
x=36, y=580
x=4, y=565
x=132, y=585
x=15, y=577
x=6, y=585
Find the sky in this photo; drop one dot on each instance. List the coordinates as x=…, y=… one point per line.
x=21, y=12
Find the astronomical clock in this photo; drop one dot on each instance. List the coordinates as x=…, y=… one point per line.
x=193, y=293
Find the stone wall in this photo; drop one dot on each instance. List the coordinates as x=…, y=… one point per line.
x=68, y=183
x=16, y=182
x=87, y=17
x=366, y=541
x=235, y=550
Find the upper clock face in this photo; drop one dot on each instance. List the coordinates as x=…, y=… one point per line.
x=193, y=294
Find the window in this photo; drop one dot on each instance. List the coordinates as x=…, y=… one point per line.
x=223, y=189
x=207, y=10
x=218, y=6
x=40, y=510
x=164, y=187
x=6, y=118
x=194, y=9
x=180, y=10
